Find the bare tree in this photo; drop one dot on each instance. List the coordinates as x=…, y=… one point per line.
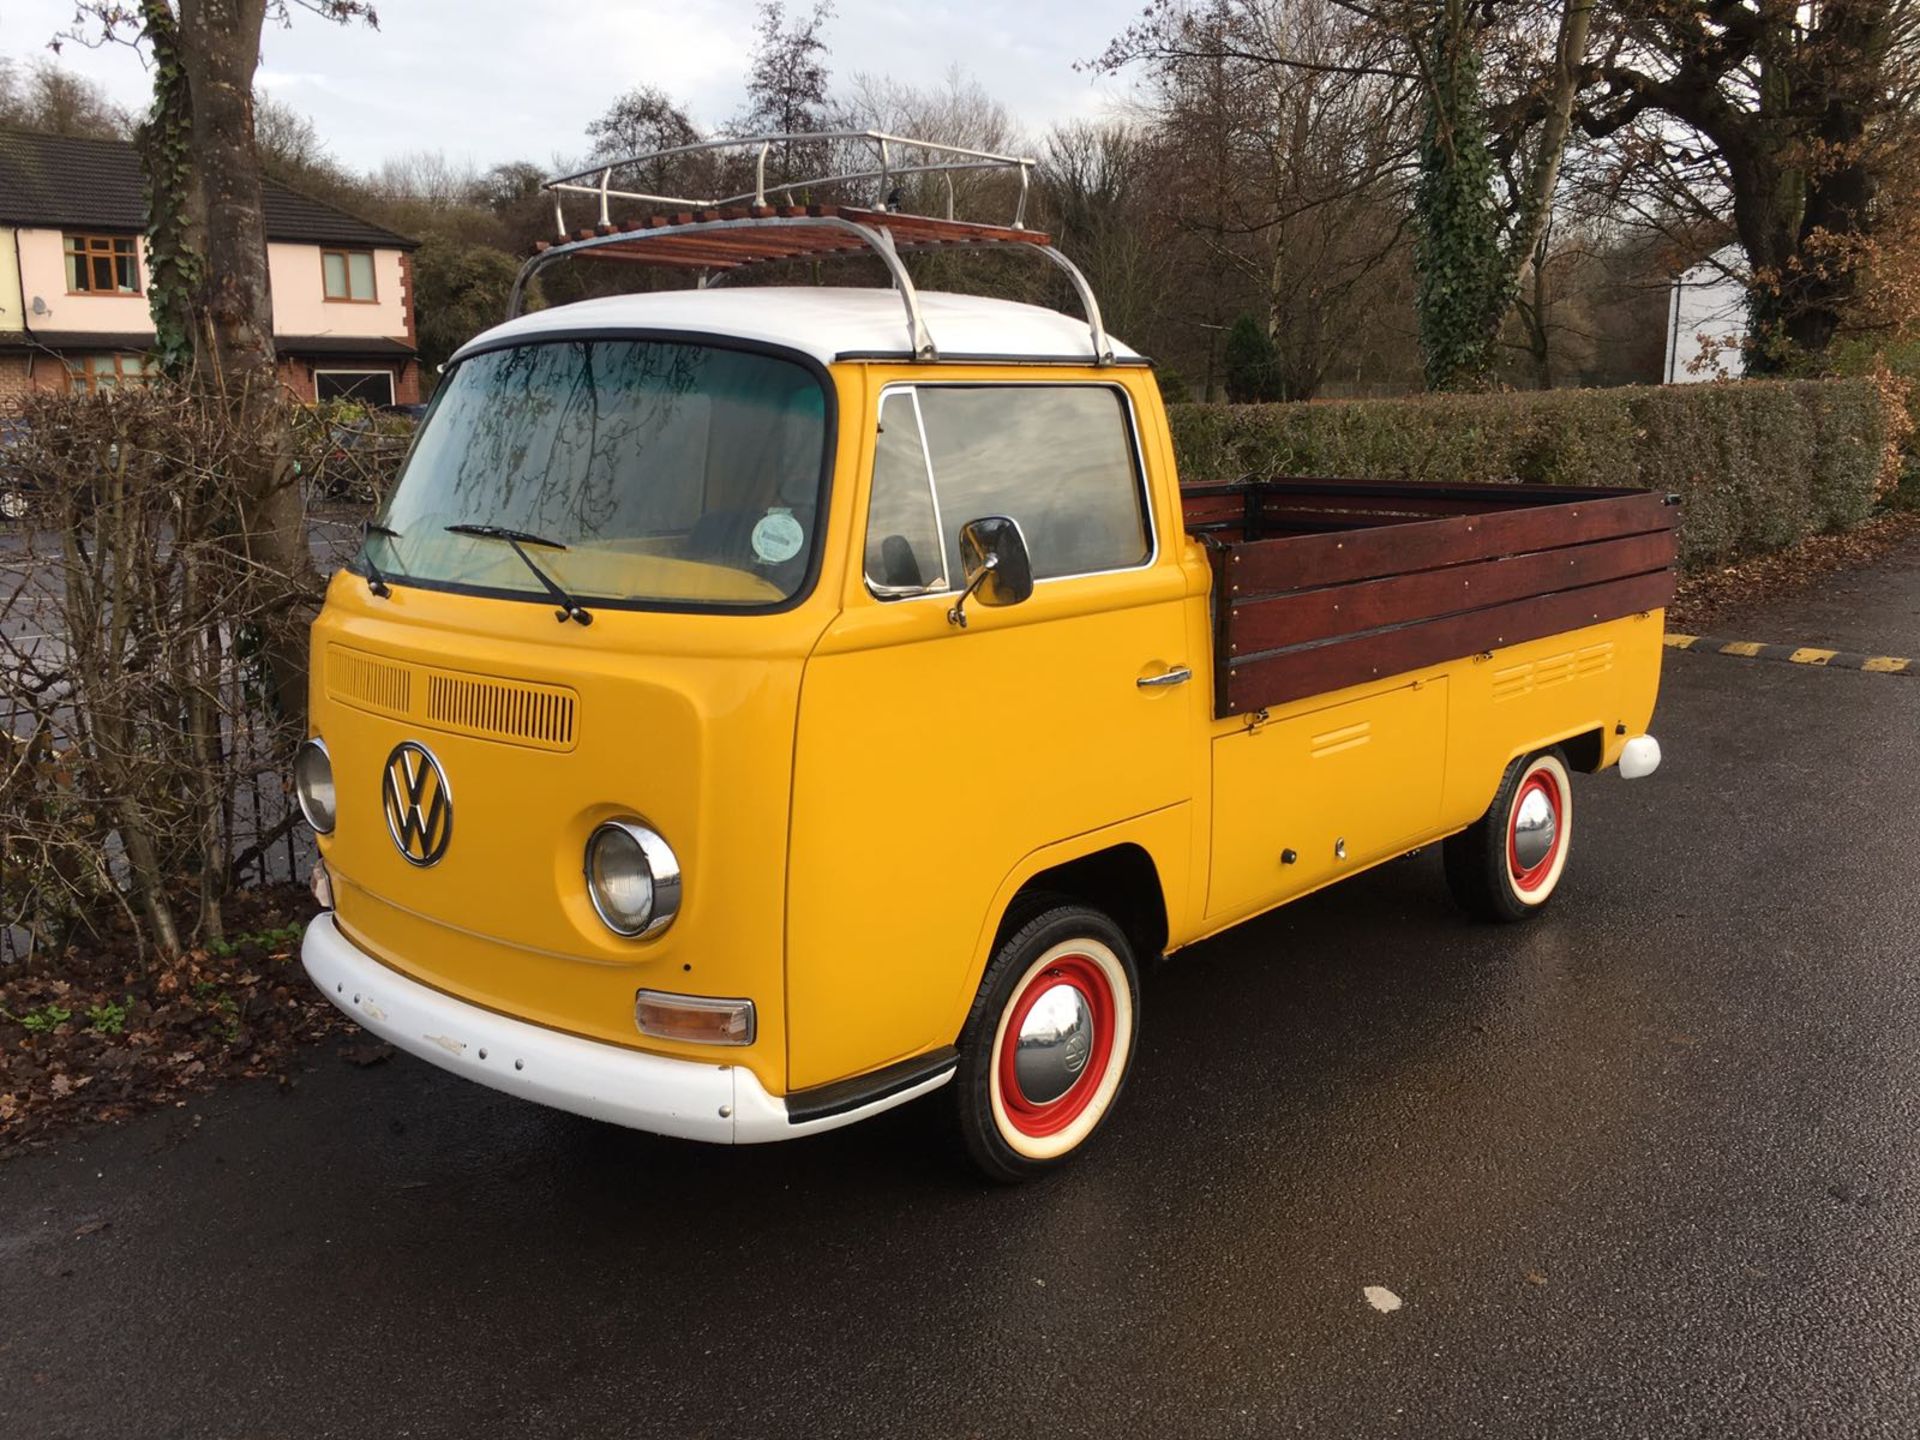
x=646, y=120
x=1288, y=150
x=1477, y=234
x=1788, y=118
x=50, y=100
x=787, y=85
x=1096, y=189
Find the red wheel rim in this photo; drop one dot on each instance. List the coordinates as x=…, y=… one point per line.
x=1053, y=1116
x=1530, y=878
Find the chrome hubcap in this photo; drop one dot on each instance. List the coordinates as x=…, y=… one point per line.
x=1534, y=828
x=1055, y=1041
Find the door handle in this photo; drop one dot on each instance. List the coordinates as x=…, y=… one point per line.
x=1174, y=675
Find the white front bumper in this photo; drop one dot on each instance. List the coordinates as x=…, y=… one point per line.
x=691, y=1099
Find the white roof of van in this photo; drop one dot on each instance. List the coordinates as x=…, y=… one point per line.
x=826, y=322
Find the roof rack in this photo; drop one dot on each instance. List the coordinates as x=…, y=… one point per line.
x=718, y=236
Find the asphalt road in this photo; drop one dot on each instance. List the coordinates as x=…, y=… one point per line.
x=1649, y=1167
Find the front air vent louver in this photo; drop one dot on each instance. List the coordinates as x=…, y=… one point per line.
x=526, y=714
x=368, y=683
x=515, y=712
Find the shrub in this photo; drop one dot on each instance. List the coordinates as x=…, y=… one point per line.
x=1757, y=464
x=131, y=696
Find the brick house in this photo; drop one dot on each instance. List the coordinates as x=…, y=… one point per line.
x=73, y=280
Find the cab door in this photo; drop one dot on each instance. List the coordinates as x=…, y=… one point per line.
x=931, y=758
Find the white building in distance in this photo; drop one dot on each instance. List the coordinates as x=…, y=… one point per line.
x=1707, y=322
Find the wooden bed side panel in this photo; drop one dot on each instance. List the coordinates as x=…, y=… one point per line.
x=1280, y=676
x=1209, y=502
x=1302, y=616
x=1267, y=567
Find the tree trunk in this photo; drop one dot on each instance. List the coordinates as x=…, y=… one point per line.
x=1543, y=175
x=176, y=213
x=220, y=49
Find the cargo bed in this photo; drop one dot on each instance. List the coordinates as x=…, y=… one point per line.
x=1320, y=584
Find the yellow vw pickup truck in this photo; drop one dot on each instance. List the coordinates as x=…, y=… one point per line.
x=755, y=708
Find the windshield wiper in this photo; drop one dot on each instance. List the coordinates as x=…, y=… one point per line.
x=376, y=582
x=570, y=608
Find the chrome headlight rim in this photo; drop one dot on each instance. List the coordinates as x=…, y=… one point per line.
x=663, y=868
x=314, y=745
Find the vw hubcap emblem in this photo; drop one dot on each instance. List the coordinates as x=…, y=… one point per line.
x=418, y=804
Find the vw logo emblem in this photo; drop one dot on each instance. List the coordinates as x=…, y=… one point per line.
x=1079, y=1050
x=418, y=804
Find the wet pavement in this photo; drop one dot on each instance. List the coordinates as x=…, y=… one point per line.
x=1648, y=1167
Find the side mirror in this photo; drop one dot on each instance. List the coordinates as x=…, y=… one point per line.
x=994, y=563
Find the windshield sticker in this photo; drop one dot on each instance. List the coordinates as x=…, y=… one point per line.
x=778, y=537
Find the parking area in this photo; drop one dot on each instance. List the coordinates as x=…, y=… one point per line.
x=1647, y=1167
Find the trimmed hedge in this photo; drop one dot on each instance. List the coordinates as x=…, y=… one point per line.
x=1758, y=464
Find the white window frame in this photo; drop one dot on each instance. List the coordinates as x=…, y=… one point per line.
x=392, y=387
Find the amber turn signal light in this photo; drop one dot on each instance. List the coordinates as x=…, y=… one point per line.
x=696, y=1018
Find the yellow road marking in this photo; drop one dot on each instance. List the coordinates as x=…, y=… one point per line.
x=1801, y=654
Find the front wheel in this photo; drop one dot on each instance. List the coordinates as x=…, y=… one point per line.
x=1507, y=865
x=1047, y=1044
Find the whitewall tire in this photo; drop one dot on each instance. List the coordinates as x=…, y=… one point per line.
x=1048, y=1044
x=1508, y=864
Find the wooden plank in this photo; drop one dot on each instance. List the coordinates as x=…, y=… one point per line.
x=1278, y=498
x=1424, y=505
x=1199, y=510
x=651, y=256
x=1275, y=622
x=1265, y=567
x=1305, y=519
x=1285, y=675
x=924, y=228
x=1463, y=490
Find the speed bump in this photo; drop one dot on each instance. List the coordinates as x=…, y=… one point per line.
x=1796, y=654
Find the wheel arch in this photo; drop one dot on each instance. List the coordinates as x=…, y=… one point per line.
x=1135, y=871
x=1121, y=881
x=1586, y=752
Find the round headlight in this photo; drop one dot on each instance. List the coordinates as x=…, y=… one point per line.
x=313, y=784
x=633, y=878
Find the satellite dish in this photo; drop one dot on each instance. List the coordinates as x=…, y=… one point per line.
x=39, y=306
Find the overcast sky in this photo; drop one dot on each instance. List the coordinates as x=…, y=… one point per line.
x=494, y=80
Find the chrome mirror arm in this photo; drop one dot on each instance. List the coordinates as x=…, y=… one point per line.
x=957, y=615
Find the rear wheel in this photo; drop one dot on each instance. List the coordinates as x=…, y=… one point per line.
x=1507, y=865
x=1048, y=1043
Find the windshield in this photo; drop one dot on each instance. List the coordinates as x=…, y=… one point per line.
x=655, y=472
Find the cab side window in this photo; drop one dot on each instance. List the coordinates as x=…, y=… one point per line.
x=1059, y=459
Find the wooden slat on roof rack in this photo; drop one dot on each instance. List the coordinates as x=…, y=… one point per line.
x=734, y=240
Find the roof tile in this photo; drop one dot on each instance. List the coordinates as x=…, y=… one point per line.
x=57, y=181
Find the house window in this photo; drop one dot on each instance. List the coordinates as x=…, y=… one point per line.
x=91, y=374
x=103, y=265
x=368, y=387
x=348, y=275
